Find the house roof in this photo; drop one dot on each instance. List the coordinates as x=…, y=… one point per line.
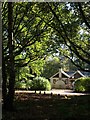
x=81, y=74
x=69, y=74
x=64, y=75
x=55, y=75
x=86, y=73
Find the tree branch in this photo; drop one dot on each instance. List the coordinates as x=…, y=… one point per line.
x=83, y=15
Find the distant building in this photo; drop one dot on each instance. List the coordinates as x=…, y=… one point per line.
x=64, y=79
x=58, y=80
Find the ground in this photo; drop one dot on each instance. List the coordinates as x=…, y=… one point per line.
x=36, y=106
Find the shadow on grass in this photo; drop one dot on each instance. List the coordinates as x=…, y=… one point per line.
x=46, y=107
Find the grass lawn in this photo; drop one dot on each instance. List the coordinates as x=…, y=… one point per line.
x=46, y=107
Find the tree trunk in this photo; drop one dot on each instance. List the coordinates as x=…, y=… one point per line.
x=10, y=95
x=4, y=82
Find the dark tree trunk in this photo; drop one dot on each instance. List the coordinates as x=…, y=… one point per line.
x=10, y=94
x=4, y=82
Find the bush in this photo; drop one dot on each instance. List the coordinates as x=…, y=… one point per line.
x=28, y=84
x=20, y=85
x=82, y=84
x=40, y=83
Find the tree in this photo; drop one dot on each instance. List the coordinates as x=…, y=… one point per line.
x=24, y=48
x=41, y=29
x=70, y=31
x=11, y=57
x=8, y=99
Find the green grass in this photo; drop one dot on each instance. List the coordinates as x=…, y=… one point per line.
x=46, y=107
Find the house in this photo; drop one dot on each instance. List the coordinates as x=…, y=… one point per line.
x=59, y=79
x=64, y=79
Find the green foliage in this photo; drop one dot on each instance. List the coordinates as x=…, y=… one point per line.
x=40, y=29
x=28, y=84
x=40, y=83
x=20, y=85
x=37, y=32
x=37, y=66
x=82, y=84
x=23, y=85
x=52, y=65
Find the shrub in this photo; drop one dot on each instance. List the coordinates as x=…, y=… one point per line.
x=20, y=85
x=28, y=84
x=40, y=83
x=23, y=86
x=82, y=84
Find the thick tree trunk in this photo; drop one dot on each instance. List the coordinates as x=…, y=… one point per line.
x=10, y=95
x=4, y=82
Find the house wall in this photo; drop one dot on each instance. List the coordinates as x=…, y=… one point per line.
x=61, y=80
x=57, y=83
x=53, y=82
x=77, y=76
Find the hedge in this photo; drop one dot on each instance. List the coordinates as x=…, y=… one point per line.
x=82, y=84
